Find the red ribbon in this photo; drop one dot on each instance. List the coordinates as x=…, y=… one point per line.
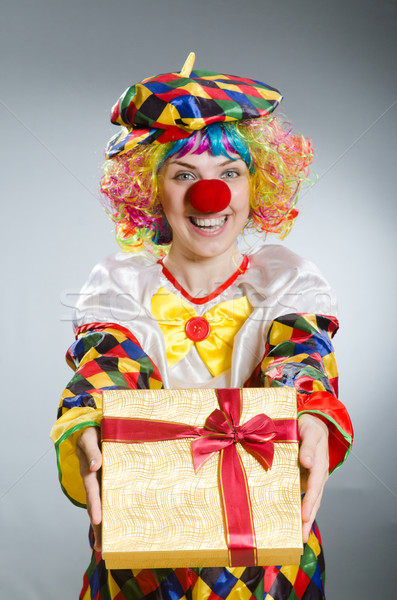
x=221, y=432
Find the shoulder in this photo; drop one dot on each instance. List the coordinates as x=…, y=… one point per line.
x=119, y=264
x=116, y=288
x=120, y=272
x=275, y=259
x=283, y=277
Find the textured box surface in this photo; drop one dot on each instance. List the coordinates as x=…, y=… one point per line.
x=157, y=512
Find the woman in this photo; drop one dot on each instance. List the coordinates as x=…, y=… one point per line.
x=200, y=161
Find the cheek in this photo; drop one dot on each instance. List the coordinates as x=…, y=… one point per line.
x=172, y=197
x=173, y=208
x=165, y=198
x=242, y=200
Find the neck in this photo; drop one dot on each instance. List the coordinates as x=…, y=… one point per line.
x=201, y=276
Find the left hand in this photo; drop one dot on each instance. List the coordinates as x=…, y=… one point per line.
x=313, y=457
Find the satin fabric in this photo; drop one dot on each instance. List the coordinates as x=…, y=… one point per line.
x=171, y=106
x=277, y=282
x=225, y=320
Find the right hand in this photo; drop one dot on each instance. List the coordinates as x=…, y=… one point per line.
x=90, y=458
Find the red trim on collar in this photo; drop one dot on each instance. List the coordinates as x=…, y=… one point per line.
x=242, y=269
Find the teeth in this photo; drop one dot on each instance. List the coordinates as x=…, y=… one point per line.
x=208, y=222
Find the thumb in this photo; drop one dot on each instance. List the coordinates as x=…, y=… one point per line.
x=306, y=455
x=88, y=443
x=309, y=441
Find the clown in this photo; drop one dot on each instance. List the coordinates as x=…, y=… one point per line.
x=200, y=160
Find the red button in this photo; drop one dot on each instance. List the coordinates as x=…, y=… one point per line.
x=197, y=329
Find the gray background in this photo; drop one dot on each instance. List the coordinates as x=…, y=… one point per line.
x=64, y=63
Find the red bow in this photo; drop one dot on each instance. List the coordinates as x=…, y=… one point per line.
x=253, y=436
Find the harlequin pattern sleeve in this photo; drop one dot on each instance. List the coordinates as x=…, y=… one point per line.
x=299, y=353
x=104, y=356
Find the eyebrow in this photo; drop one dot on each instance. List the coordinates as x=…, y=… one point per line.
x=190, y=166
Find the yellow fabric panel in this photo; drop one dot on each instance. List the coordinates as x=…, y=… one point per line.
x=240, y=590
x=143, y=92
x=155, y=384
x=197, y=90
x=100, y=380
x=290, y=572
x=279, y=333
x=330, y=365
x=90, y=355
x=312, y=319
x=314, y=544
x=113, y=588
x=66, y=394
x=127, y=365
x=201, y=590
x=317, y=386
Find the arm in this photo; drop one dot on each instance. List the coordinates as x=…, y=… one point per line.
x=299, y=354
x=104, y=356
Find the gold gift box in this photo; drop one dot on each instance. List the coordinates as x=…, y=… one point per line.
x=158, y=513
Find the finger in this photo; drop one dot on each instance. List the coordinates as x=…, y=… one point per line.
x=314, y=490
x=88, y=443
x=312, y=432
x=304, y=474
x=307, y=526
x=90, y=458
x=314, y=481
x=306, y=529
x=97, y=537
x=313, y=455
x=306, y=456
x=93, y=493
x=311, y=502
x=310, y=438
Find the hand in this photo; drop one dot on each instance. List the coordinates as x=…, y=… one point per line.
x=313, y=457
x=90, y=458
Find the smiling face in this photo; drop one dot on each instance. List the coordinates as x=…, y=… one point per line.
x=196, y=235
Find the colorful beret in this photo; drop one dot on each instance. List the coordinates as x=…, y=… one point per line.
x=172, y=106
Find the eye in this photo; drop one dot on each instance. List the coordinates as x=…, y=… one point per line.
x=230, y=174
x=185, y=176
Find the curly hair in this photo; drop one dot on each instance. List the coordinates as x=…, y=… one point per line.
x=278, y=163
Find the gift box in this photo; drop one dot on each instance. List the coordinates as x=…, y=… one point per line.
x=200, y=478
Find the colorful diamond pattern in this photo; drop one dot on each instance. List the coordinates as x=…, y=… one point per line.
x=185, y=104
x=299, y=353
x=303, y=582
x=106, y=358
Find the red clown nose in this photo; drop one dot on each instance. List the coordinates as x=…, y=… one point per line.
x=209, y=195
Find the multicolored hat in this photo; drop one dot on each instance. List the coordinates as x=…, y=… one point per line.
x=172, y=106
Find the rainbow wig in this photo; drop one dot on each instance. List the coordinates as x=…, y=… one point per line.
x=278, y=162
